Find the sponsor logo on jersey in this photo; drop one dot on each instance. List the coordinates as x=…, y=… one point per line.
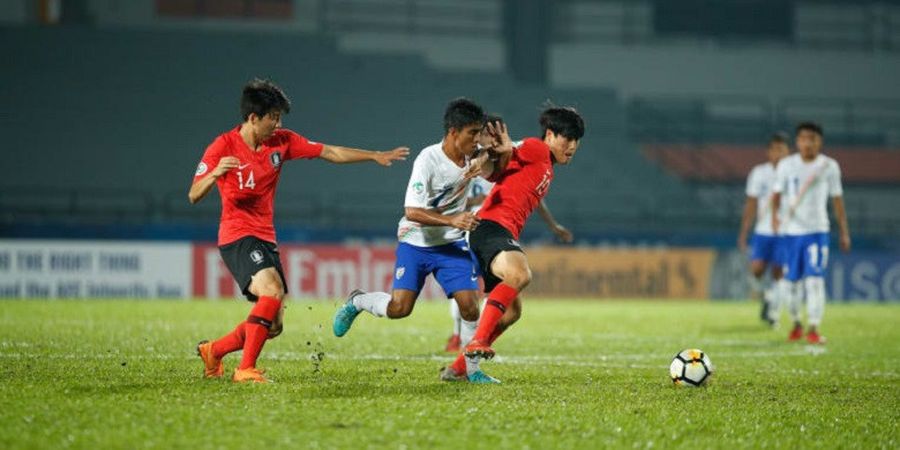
x=400, y=272
x=276, y=159
x=418, y=187
x=513, y=242
x=201, y=169
x=256, y=256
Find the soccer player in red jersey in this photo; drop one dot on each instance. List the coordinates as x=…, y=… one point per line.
x=522, y=176
x=245, y=164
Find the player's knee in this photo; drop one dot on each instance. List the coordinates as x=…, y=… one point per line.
x=271, y=290
x=468, y=311
x=398, y=309
x=757, y=268
x=518, y=279
x=269, y=287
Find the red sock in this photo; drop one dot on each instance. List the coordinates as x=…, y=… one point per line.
x=229, y=343
x=500, y=298
x=257, y=328
x=459, y=366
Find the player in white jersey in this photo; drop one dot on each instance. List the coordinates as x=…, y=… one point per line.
x=803, y=184
x=479, y=188
x=432, y=231
x=765, y=249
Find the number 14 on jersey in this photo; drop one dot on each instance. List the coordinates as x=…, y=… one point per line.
x=250, y=184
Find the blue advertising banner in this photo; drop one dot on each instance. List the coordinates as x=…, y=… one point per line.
x=866, y=276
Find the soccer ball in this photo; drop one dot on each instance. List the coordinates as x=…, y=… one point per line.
x=691, y=367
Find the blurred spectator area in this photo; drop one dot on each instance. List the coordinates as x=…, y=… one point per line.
x=114, y=109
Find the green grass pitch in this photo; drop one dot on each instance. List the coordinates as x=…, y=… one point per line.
x=576, y=374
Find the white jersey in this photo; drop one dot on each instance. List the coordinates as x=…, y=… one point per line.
x=436, y=184
x=759, y=186
x=479, y=187
x=805, y=188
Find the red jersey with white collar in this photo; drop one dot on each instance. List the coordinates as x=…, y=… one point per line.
x=248, y=192
x=520, y=187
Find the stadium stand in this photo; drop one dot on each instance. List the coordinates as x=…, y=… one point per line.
x=659, y=163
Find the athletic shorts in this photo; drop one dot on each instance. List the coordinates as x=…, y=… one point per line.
x=806, y=256
x=767, y=248
x=453, y=266
x=247, y=256
x=487, y=241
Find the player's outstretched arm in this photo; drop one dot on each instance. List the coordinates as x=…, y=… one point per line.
x=841, y=215
x=202, y=186
x=560, y=231
x=746, y=220
x=465, y=221
x=343, y=155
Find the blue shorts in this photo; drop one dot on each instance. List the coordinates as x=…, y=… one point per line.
x=452, y=264
x=806, y=256
x=769, y=249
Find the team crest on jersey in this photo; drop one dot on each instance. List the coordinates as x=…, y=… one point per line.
x=418, y=187
x=201, y=169
x=256, y=256
x=276, y=159
x=400, y=272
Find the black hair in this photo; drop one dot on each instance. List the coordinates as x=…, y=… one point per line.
x=564, y=121
x=779, y=138
x=810, y=126
x=461, y=113
x=261, y=97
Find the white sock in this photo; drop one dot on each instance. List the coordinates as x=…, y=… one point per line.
x=781, y=291
x=815, y=300
x=374, y=302
x=467, y=330
x=794, y=300
x=457, y=320
x=465, y=335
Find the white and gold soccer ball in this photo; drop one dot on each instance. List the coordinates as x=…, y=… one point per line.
x=691, y=367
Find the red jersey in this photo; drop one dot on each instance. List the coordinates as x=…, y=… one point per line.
x=520, y=187
x=248, y=192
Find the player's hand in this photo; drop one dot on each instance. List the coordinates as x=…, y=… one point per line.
x=387, y=158
x=475, y=166
x=742, y=243
x=225, y=164
x=563, y=234
x=776, y=224
x=845, y=242
x=500, y=135
x=466, y=221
